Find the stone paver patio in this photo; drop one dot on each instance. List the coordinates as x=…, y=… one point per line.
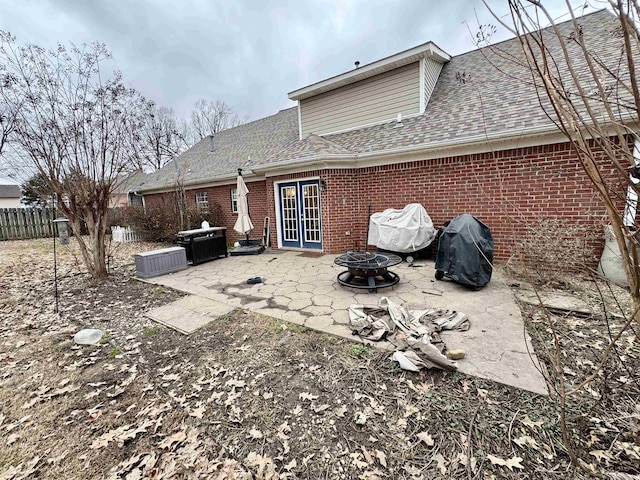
x=303, y=290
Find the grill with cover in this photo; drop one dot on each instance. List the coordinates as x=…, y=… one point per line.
x=465, y=252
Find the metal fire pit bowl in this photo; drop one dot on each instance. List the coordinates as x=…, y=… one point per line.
x=368, y=270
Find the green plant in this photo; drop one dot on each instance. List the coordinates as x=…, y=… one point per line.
x=151, y=331
x=277, y=327
x=359, y=350
x=106, y=338
x=114, y=352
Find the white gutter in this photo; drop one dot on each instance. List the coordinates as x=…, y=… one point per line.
x=431, y=147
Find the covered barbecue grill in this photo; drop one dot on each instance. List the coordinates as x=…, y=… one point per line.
x=367, y=270
x=465, y=252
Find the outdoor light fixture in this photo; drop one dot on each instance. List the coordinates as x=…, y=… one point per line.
x=323, y=185
x=63, y=234
x=63, y=230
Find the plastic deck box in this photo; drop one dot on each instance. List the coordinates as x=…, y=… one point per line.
x=160, y=262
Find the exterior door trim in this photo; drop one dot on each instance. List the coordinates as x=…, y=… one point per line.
x=299, y=182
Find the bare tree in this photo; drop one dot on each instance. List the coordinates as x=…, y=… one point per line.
x=163, y=138
x=8, y=115
x=79, y=129
x=594, y=100
x=592, y=96
x=209, y=118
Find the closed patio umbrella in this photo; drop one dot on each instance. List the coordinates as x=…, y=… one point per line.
x=243, y=223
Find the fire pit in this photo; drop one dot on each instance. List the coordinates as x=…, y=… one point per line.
x=367, y=270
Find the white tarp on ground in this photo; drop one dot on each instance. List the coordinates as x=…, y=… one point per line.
x=413, y=332
x=406, y=230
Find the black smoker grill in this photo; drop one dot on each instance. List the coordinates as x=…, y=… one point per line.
x=203, y=244
x=368, y=270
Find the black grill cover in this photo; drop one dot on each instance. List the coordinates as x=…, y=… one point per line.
x=465, y=251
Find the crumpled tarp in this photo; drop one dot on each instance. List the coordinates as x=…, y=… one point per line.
x=404, y=231
x=413, y=332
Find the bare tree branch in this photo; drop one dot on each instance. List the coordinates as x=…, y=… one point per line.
x=80, y=130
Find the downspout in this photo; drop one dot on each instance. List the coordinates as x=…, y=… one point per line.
x=631, y=205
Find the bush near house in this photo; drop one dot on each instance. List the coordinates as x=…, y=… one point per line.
x=160, y=222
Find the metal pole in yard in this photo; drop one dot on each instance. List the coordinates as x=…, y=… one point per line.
x=55, y=258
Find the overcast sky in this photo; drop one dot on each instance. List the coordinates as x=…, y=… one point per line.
x=249, y=54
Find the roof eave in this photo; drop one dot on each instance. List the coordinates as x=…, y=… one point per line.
x=406, y=57
x=431, y=147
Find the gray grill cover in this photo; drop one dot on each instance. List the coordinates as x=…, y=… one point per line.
x=465, y=251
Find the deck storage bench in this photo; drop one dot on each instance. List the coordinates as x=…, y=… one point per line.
x=160, y=262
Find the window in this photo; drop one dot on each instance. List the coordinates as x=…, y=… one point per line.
x=234, y=200
x=202, y=202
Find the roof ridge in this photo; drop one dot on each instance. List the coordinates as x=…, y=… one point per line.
x=510, y=39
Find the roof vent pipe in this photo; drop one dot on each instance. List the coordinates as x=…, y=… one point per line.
x=211, y=142
x=357, y=64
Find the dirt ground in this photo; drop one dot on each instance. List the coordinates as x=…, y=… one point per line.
x=251, y=397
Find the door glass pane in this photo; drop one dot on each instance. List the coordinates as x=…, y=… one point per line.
x=310, y=203
x=289, y=214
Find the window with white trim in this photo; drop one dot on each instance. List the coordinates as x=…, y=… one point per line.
x=234, y=200
x=202, y=202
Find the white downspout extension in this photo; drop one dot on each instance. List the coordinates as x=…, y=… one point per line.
x=631, y=205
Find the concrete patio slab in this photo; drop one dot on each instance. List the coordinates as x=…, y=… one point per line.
x=555, y=301
x=303, y=290
x=189, y=313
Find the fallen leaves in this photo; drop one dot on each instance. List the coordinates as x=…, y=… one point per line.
x=425, y=438
x=360, y=418
x=120, y=435
x=511, y=463
x=13, y=438
x=530, y=423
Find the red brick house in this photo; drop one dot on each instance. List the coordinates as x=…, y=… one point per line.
x=462, y=134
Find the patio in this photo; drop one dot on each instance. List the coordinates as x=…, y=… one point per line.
x=301, y=288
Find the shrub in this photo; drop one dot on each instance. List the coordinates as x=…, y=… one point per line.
x=551, y=248
x=160, y=222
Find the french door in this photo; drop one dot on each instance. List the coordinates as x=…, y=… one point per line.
x=300, y=214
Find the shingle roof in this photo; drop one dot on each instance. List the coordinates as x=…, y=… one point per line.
x=250, y=143
x=10, y=191
x=130, y=182
x=479, y=94
x=310, y=147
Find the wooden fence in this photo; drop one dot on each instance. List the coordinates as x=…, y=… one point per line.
x=21, y=223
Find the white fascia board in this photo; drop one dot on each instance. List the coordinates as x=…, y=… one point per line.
x=520, y=138
x=471, y=145
x=380, y=66
x=249, y=176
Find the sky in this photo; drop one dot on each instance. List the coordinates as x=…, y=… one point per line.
x=249, y=54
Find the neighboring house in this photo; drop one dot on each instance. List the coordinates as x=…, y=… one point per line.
x=456, y=134
x=10, y=194
x=125, y=194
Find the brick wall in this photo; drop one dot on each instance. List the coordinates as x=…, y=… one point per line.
x=507, y=190
x=220, y=202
